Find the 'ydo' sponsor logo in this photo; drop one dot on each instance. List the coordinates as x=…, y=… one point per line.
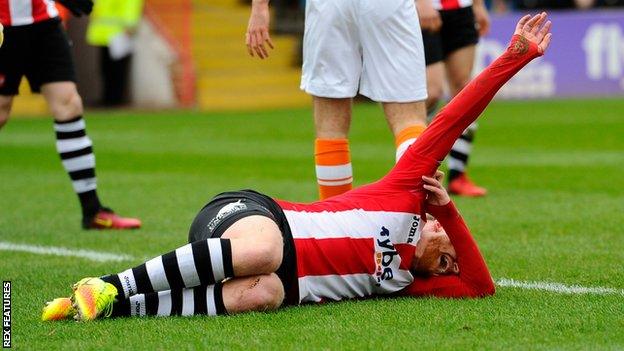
x=384, y=255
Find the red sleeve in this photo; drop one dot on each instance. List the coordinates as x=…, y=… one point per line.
x=424, y=155
x=473, y=280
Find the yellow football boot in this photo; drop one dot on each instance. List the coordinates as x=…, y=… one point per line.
x=93, y=298
x=58, y=309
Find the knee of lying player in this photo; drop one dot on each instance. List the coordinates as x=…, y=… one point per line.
x=434, y=255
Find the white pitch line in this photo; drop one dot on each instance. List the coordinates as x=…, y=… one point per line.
x=558, y=287
x=62, y=251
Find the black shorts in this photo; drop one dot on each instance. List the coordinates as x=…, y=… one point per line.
x=227, y=208
x=39, y=51
x=458, y=30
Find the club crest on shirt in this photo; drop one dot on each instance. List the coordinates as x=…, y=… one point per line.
x=225, y=211
x=385, y=253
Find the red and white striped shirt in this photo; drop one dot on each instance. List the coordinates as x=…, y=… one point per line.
x=349, y=247
x=23, y=12
x=450, y=4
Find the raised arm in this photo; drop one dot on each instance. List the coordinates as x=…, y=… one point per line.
x=531, y=38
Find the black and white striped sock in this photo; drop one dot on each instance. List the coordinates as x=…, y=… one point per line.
x=203, y=262
x=201, y=300
x=460, y=152
x=75, y=148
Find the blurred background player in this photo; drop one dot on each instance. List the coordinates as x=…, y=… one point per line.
x=112, y=26
x=371, y=47
x=36, y=47
x=451, y=30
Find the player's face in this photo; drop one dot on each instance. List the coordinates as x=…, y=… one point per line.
x=435, y=255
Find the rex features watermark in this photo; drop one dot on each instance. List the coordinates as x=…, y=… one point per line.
x=6, y=314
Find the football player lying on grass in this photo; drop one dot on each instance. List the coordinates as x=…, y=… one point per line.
x=248, y=252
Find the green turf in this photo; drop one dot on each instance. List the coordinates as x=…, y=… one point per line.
x=555, y=213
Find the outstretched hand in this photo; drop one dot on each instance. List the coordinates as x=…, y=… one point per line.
x=535, y=29
x=436, y=194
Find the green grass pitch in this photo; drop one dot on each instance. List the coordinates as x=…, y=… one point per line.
x=555, y=213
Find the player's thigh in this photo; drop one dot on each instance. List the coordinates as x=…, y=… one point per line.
x=255, y=293
x=393, y=56
x=459, y=37
x=13, y=54
x=257, y=243
x=332, y=59
x=459, y=66
x=52, y=58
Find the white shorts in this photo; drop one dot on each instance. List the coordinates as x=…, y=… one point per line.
x=373, y=45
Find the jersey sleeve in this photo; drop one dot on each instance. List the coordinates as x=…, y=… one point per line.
x=425, y=154
x=473, y=280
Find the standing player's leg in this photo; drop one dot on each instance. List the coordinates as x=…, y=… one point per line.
x=50, y=70
x=435, y=85
x=75, y=150
x=332, y=157
x=434, y=61
x=13, y=54
x=459, y=68
x=332, y=65
x=394, y=66
x=459, y=37
x=406, y=121
x=6, y=102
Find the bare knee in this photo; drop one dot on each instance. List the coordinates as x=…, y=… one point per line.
x=268, y=294
x=64, y=101
x=259, y=293
x=257, y=245
x=6, y=102
x=268, y=253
